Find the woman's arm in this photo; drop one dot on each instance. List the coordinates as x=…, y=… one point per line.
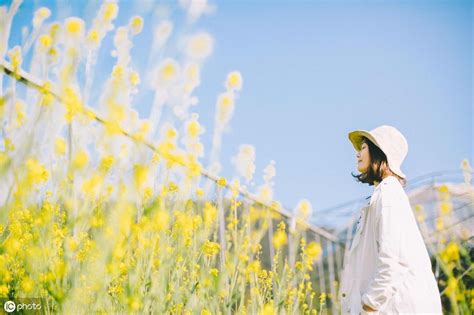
x=389, y=234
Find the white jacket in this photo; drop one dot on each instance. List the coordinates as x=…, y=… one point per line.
x=387, y=266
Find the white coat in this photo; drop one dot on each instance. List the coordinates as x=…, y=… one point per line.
x=387, y=266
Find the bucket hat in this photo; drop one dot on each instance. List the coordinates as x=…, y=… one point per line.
x=389, y=139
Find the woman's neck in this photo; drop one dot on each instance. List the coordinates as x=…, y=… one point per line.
x=377, y=183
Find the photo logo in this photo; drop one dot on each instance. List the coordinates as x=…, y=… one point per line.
x=28, y=304
x=9, y=306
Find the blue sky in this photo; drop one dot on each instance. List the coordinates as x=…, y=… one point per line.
x=315, y=70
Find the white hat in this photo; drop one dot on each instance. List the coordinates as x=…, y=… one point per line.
x=389, y=140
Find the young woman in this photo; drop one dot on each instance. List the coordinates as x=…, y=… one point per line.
x=387, y=269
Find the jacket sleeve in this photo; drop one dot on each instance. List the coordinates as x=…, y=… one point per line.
x=388, y=234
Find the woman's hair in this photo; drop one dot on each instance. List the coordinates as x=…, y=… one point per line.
x=378, y=167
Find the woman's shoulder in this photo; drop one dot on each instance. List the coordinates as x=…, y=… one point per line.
x=391, y=191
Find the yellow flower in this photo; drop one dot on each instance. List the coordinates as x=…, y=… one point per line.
x=93, y=36
x=89, y=187
x=106, y=163
x=117, y=112
x=72, y=103
x=136, y=25
x=147, y=193
x=142, y=132
x=81, y=159
x=97, y=220
x=199, y=192
x=117, y=71
x=72, y=243
x=465, y=165
x=214, y=272
x=168, y=70
x=210, y=248
x=254, y=267
x=170, y=133
x=268, y=309
x=155, y=159
x=322, y=298
x=15, y=57
x=221, y=182
x=200, y=46
x=235, y=188
x=112, y=127
x=304, y=209
x=234, y=81
x=109, y=11
x=265, y=193
x=279, y=239
x=20, y=113
x=419, y=208
x=134, y=78
x=9, y=146
x=134, y=303
x=45, y=41
x=225, y=108
x=60, y=146
x=3, y=100
x=3, y=290
x=439, y=224
x=193, y=128
x=299, y=265
x=452, y=286
x=140, y=175
x=37, y=173
x=43, y=12
x=450, y=253
x=445, y=208
x=47, y=98
x=443, y=189
x=54, y=29
x=210, y=213
x=172, y=187
x=27, y=285
x=74, y=25
x=313, y=250
x=4, y=160
x=40, y=15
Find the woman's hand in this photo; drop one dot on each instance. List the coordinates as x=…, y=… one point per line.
x=367, y=308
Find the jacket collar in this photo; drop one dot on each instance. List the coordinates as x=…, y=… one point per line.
x=387, y=180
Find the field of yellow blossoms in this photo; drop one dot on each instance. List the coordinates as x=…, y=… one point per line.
x=104, y=211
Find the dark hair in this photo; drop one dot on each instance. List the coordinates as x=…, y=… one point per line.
x=378, y=168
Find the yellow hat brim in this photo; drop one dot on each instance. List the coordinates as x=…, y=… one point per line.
x=356, y=138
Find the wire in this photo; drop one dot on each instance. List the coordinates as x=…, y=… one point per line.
x=29, y=81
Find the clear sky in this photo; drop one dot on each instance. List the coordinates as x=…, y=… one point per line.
x=315, y=70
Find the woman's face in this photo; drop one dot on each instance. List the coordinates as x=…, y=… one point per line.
x=363, y=158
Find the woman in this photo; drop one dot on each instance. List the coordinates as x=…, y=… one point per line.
x=387, y=269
